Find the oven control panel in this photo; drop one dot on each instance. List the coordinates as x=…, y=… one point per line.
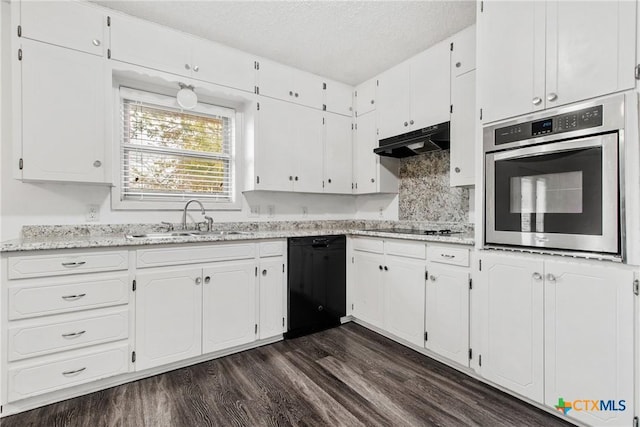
x=576, y=120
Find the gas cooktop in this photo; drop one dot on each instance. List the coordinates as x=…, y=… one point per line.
x=444, y=232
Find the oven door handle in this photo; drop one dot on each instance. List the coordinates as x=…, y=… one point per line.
x=550, y=148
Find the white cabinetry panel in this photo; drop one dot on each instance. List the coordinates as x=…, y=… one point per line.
x=272, y=284
x=338, y=154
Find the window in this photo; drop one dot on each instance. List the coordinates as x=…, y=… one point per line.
x=167, y=154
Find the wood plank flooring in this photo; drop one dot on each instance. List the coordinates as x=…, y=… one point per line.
x=347, y=376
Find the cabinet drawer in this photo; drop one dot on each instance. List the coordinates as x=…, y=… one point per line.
x=368, y=245
x=54, y=373
x=448, y=255
x=24, y=266
x=405, y=249
x=31, y=338
x=190, y=255
x=43, y=298
x=271, y=248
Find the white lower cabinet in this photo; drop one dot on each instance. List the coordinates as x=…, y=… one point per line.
x=447, y=312
x=368, y=291
x=229, y=305
x=272, y=284
x=168, y=315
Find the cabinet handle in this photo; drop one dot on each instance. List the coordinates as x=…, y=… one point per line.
x=329, y=180
x=372, y=180
x=77, y=371
x=97, y=164
x=386, y=268
x=198, y=280
x=373, y=102
x=290, y=93
x=296, y=178
x=458, y=64
x=196, y=68
x=537, y=276
x=537, y=100
x=433, y=278
x=457, y=170
x=380, y=267
x=187, y=66
x=406, y=124
x=448, y=256
x=73, y=297
x=551, y=277
x=290, y=178
x=411, y=122
x=95, y=42
x=552, y=97
x=264, y=272
x=207, y=279
x=73, y=334
x=73, y=264
x=296, y=94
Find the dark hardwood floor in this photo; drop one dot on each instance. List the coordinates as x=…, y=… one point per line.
x=347, y=376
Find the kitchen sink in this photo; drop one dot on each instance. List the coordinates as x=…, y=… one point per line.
x=186, y=233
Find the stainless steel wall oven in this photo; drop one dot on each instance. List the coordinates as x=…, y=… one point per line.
x=554, y=179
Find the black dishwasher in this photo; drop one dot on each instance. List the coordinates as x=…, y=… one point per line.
x=316, y=284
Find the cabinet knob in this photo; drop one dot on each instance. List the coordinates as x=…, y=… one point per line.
x=537, y=100
x=296, y=94
x=433, y=278
x=207, y=279
x=552, y=97
x=97, y=164
x=290, y=93
x=386, y=268
x=457, y=170
x=95, y=42
x=198, y=280
x=536, y=276
x=320, y=308
x=329, y=180
x=410, y=122
x=406, y=123
x=264, y=272
x=187, y=66
x=290, y=178
x=373, y=101
x=296, y=178
x=458, y=64
x=196, y=68
x=380, y=267
x=372, y=180
x=551, y=277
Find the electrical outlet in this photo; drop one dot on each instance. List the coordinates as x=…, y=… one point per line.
x=272, y=210
x=255, y=211
x=305, y=211
x=93, y=213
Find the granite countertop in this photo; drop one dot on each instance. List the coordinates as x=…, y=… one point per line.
x=49, y=237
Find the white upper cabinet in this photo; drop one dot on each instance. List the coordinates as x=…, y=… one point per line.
x=463, y=52
x=61, y=131
x=150, y=45
x=289, y=84
x=338, y=154
x=555, y=53
x=338, y=97
x=415, y=93
x=365, y=97
x=71, y=24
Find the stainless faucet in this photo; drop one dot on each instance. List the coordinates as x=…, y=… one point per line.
x=184, y=213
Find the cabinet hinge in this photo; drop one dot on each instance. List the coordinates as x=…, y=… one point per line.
x=256, y=90
x=352, y=126
x=108, y=21
x=257, y=180
x=426, y=336
x=20, y=164
x=377, y=131
x=451, y=109
x=470, y=354
x=324, y=86
x=638, y=72
x=352, y=185
x=635, y=420
x=258, y=106
x=470, y=283
x=133, y=357
x=256, y=65
x=352, y=307
x=479, y=360
x=108, y=53
x=283, y=268
x=256, y=328
x=324, y=108
x=353, y=260
x=636, y=287
x=256, y=271
x=283, y=322
x=480, y=265
x=322, y=183
x=426, y=275
x=19, y=54
x=355, y=93
x=356, y=125
x=377, y=82
x=481, y=114
x=451, y=47
x=356, y=185
x=19, y=30
x=481, y=6
x=134, y=285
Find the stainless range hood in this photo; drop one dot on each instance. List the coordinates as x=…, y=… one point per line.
x=415, y=142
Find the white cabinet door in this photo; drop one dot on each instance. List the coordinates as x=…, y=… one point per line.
x=289, y=84
x=273, y=145
x=368, y=288
x=394, y=100
x=272, y=284
x=404, y=289
x=70, y=24
x=338, y=153
x=222, y=65
x=307, y=89
x=463, y=55
x=168, y=316
x=150, y=45
x=582, y=62
x=589, y=334
x=229, y=305
x=366, y=162
x=447, y=312
x=511, y=60
x=463, y=129
x=365, y=99
x=306, y=128
x=511, y=299
x=63, y=114
x=338, y=98
x=430, y=87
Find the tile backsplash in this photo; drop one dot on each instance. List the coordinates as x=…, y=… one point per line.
x=425, y=194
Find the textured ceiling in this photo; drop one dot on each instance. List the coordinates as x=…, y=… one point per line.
x=349, y=41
